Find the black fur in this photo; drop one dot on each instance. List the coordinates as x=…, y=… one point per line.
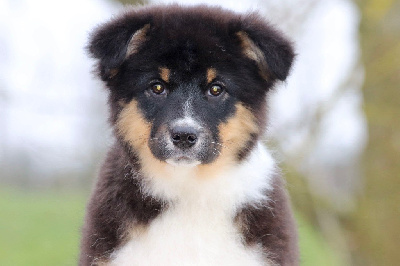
x=212, y=31
x=116, y=204
x=188, y=41
x=272, y=224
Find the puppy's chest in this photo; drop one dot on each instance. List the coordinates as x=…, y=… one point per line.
x=184, y=235
x=198, y=227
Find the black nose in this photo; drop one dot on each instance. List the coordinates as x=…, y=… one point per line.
x=183, y=137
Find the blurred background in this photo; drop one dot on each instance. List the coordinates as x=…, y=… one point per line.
x=334, y=126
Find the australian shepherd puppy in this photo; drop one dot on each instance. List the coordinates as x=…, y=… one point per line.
x=188, y=181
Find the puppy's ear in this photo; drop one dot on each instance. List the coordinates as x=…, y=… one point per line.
x=113, y=42
x=267, y=47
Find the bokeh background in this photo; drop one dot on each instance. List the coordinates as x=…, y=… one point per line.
x=334, y=126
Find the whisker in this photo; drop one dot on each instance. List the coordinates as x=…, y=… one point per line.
x=222, y=145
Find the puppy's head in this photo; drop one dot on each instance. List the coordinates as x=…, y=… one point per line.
x=188, y=84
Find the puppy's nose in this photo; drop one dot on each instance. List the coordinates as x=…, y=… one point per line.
x=184, y=137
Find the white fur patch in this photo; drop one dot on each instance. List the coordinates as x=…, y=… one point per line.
x=183, y=163
x=198, y=227
x=188, y=116
x=186, y=121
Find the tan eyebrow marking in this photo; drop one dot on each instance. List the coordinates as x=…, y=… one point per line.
x=164, y=73
x=211, y=74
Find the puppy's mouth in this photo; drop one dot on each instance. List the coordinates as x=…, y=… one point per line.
x=184, y=161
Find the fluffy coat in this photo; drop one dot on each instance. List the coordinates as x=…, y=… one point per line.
x=214, y=197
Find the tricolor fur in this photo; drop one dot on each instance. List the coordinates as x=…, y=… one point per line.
x=187, y=181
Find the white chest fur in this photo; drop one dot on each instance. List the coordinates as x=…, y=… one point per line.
x=198, y=228
x=188, y=237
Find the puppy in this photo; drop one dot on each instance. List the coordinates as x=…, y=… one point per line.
x=188, y=181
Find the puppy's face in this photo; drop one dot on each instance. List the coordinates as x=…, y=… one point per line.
x=185, y=110
x=188, y=85
x=187, y=117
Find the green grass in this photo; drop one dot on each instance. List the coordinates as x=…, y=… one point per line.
x=40, y=228
x=43, y=228
x=313, y=249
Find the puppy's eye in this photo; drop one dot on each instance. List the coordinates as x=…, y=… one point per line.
x=158, y=88
x=215, y=90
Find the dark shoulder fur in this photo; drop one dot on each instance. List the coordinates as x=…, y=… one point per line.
x=116, y=203
x=272, y=225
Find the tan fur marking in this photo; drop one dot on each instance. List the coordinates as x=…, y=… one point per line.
x=113, y=72
x=137, y=230
x=135, y=130
x=252, y=51
x=234, y=134
x=136, y=40
x=164, y=73
x=121, y=103
x=134, y=231
x=211, y=74
x=132, y=126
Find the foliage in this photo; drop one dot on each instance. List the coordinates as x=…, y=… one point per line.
x=376, y=224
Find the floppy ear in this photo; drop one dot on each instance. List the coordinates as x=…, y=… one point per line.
x=267, y=47
x=113, y=42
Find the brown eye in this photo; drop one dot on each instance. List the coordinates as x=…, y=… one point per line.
x=158, y=88
x=215, y=90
